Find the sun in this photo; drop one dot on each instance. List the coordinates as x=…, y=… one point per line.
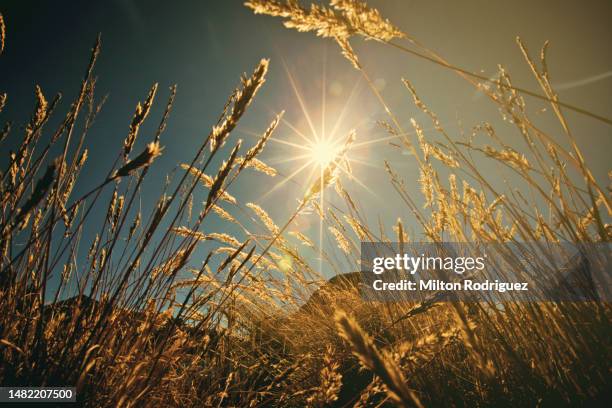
x=318, y=146
x=323, y=152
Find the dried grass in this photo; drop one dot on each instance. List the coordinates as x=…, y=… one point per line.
x=164, y=311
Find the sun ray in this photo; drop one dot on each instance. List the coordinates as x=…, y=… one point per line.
x=281, y=141
x=300, y=100
x=291, y=126
x=322, y=205
x=290, y=159
x=286, y=122
x=312, y=174
x=352, y=177
x=323, y=90
x=284, y=181
x=273, y=139
x=345, y=108
x=365, y=163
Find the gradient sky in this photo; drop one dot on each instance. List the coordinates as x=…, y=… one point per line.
x=204, y=46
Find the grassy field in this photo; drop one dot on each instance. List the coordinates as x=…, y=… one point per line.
x=141, y=319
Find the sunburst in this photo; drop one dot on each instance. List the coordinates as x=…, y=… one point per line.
x=323, y=152
x=318, y=147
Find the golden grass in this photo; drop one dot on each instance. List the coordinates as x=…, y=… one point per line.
x=149, y=323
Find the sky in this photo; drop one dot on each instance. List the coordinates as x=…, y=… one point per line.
x=204, y=47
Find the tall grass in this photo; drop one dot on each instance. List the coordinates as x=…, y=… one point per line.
x=143, y=326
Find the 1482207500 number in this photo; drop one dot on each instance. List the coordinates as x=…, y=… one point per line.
x=39, y=394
